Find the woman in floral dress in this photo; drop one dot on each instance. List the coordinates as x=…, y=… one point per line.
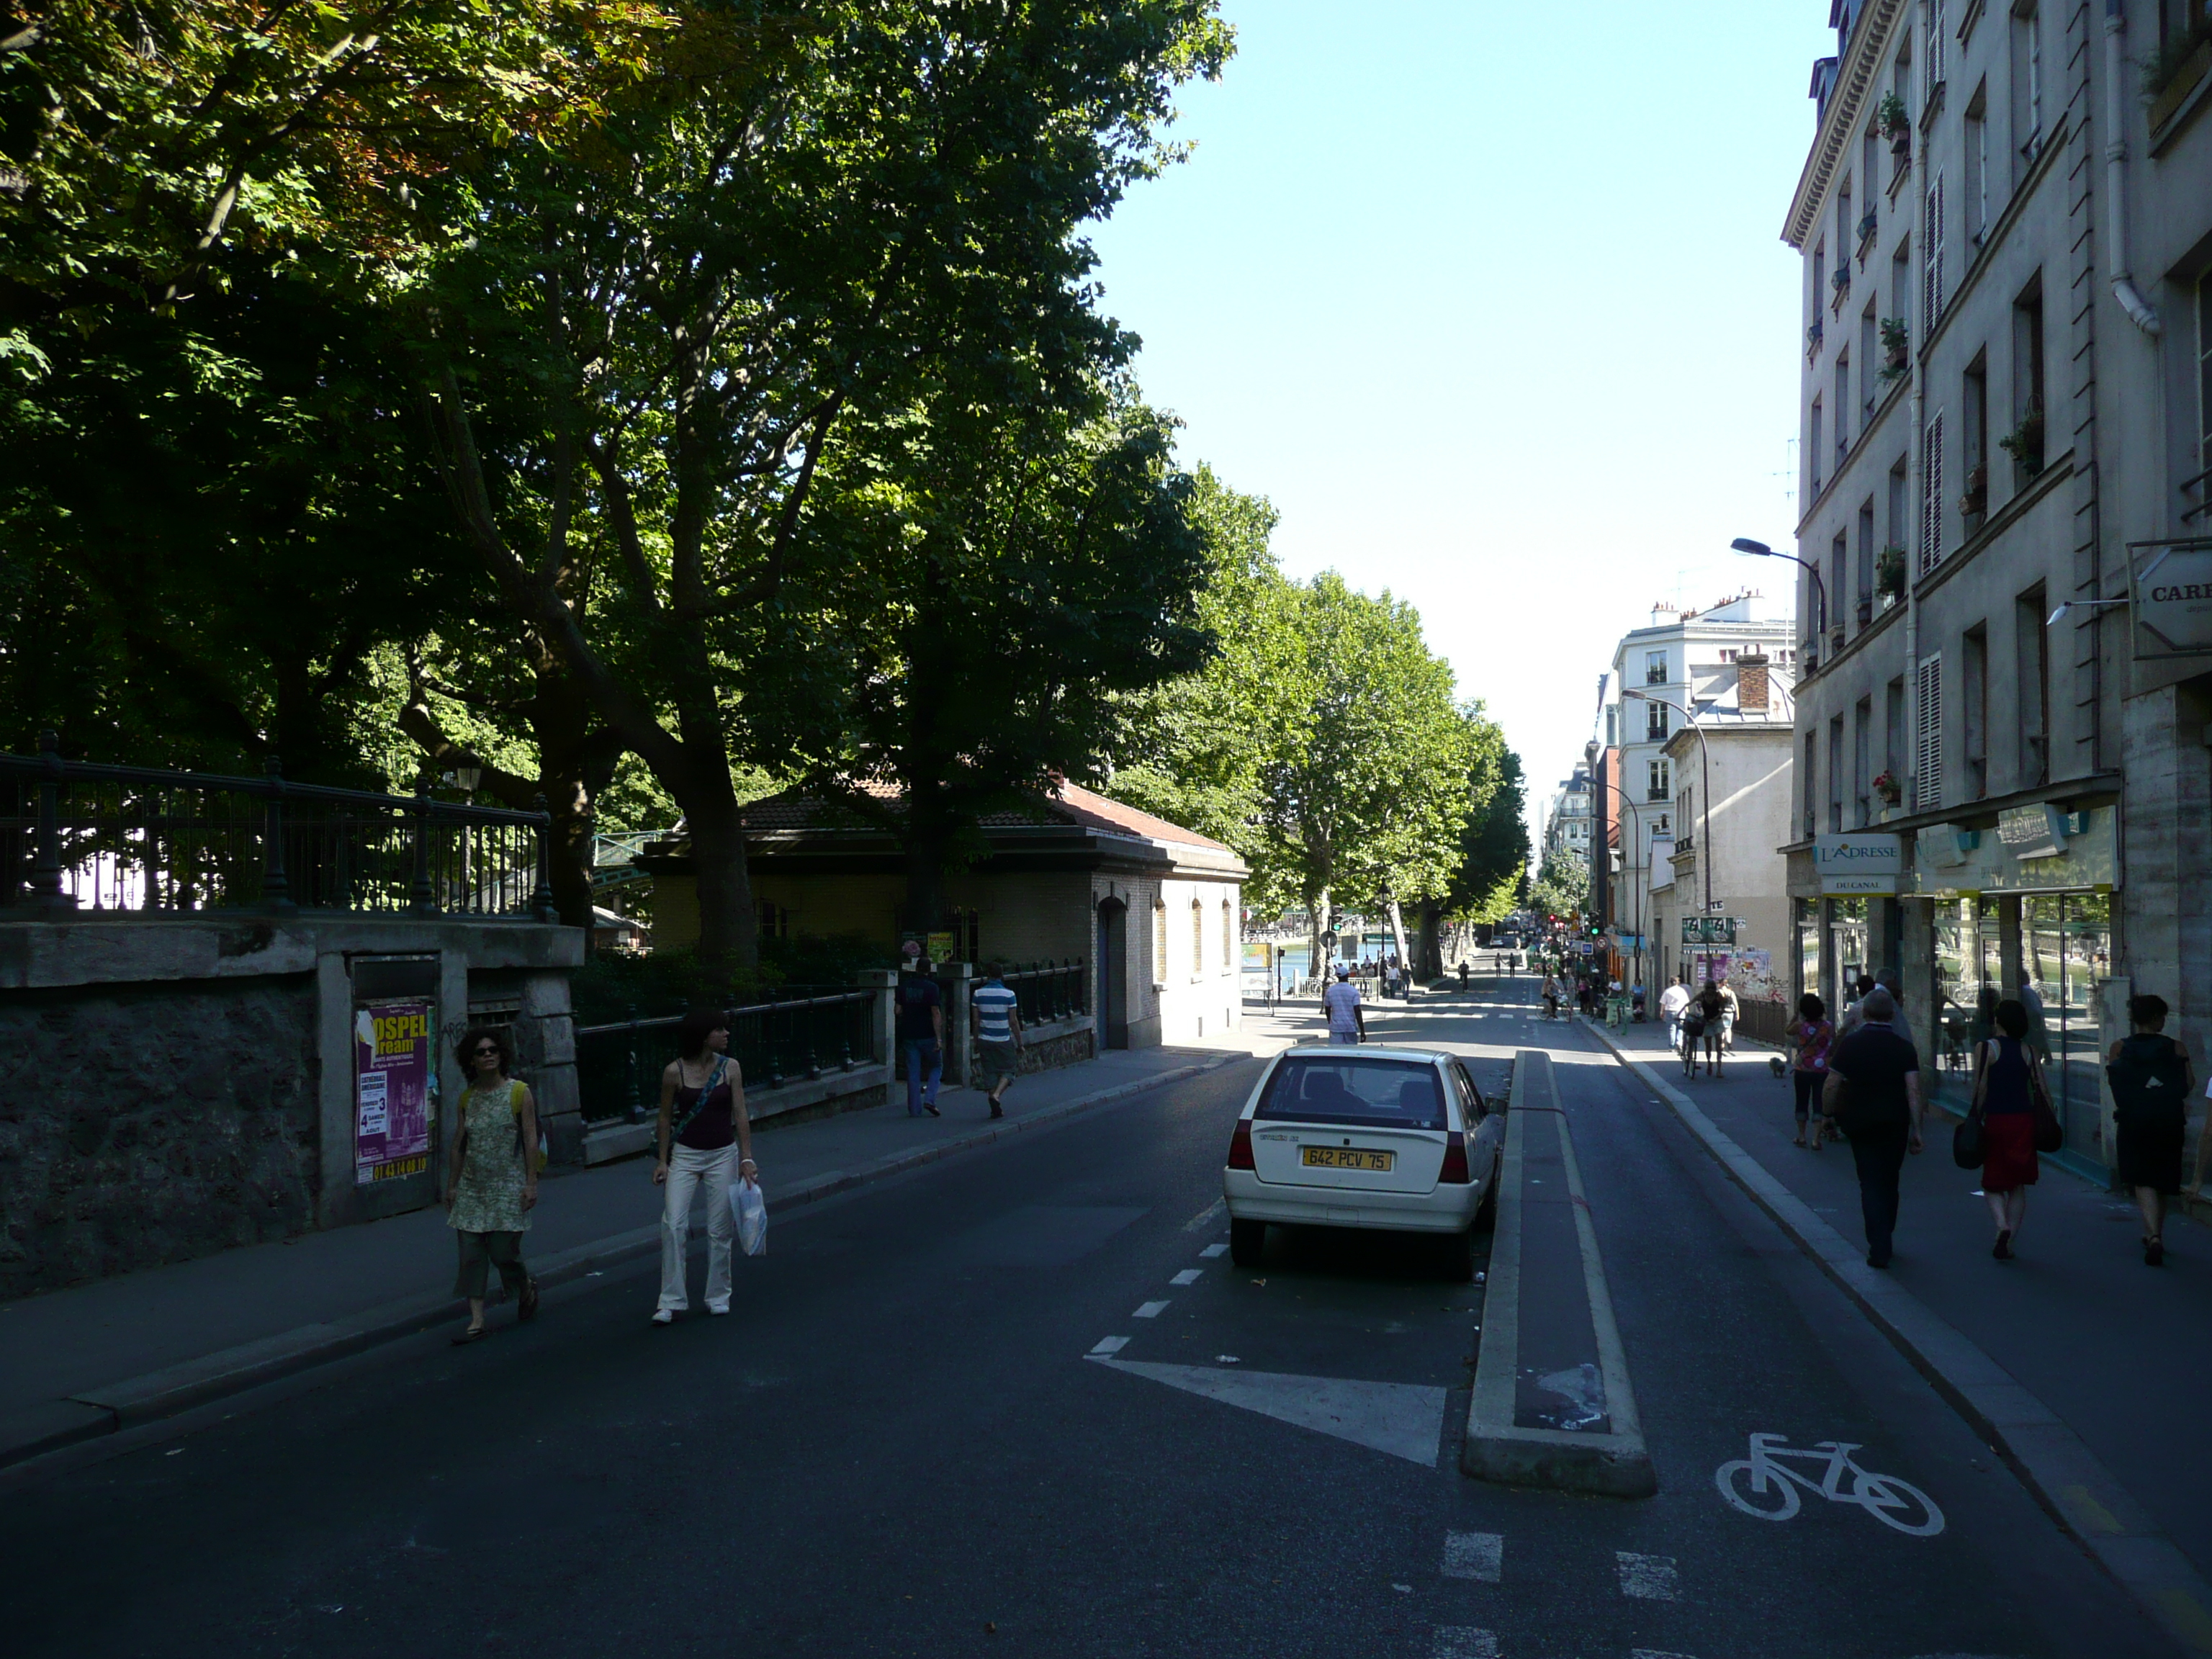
x=491, y=1183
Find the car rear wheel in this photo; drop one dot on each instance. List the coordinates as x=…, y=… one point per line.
x=1459, y=1257
x=1247, y=1239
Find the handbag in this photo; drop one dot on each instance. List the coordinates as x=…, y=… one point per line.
x=515, y=1105
x=715, y=1076
x=1969, y=1145
x=2050, y=1135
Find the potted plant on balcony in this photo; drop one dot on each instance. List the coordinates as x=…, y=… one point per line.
x=1896, y=124
x=1840, y=281
x=2024, y=443
x=1813, y=337
x=1975, y=501
x=1889, y=574
x=1869, y=222
x=1896, y=348
x=1889, y=789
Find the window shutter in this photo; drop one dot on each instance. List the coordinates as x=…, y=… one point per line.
x=1932, y=495
x=1928, y=767
x=1934, y=47
x=1931, y=253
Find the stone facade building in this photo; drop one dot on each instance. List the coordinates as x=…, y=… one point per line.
x=2006, y=221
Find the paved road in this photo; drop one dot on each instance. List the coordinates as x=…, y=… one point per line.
x=902, y=1443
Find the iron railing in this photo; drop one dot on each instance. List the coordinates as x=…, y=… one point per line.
x=1049, y=990
x=77, y=837
x=618, y=1066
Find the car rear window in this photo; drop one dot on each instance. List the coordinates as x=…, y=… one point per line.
x=1400, y=1094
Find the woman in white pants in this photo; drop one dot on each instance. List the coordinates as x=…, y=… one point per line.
x=702, y=1111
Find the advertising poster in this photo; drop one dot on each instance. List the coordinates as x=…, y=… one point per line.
x=395, y=1088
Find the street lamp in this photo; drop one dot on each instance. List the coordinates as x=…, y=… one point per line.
x=1761, y=550
x=1705, y=795
x=2059, y=615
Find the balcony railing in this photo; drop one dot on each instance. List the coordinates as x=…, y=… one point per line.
x=618, y=1066
x=77, y=837
x=1049, y=990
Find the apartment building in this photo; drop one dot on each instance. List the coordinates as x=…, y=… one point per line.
x=1567, y=819
x=2002, y=776
x=1663, y=677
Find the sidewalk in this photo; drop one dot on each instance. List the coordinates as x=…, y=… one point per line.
x=77, y=1364
x=2110, y=1349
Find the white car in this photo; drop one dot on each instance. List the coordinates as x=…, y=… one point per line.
x=1398, y=1139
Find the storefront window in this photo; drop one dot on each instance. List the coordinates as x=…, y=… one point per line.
x=1807, y=928
x=1967, y=977
x=1847, y=947
x=2066, y=945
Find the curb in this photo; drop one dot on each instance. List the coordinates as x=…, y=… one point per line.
x=112, y=1407
x=2061, y=1472
x=1615, y=1464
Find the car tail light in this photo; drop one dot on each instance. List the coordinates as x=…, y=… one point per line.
x=1240, y=1146
x=1455, y=1169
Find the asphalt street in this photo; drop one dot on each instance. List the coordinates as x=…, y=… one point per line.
x=1019, y=1401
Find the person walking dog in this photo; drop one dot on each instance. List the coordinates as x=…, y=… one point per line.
x=705, y=1142
x=1874, y=1091
x=2151, y=1080
x=994, y=1013
x=2008, y=1083
x=491, y=1181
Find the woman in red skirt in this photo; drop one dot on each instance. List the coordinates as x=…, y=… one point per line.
x=2006, y=1094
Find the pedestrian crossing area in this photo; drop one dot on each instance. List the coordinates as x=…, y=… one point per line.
x=1480, y=1557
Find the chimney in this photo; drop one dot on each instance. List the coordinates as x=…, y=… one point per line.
x=1751, y=696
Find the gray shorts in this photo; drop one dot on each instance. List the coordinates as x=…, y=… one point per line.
x=998, y=1059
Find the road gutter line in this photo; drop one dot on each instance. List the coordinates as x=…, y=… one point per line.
x=2052, y=1461
x=94, y=1412
x=1615, y=1464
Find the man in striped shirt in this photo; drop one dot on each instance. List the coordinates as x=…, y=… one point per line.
x=994, y=1012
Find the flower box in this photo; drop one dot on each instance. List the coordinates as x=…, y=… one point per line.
x=1975, y=501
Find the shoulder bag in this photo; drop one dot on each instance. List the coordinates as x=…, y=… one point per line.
x=2050, y=1134
x=1968, y=1146
x=714, y=1078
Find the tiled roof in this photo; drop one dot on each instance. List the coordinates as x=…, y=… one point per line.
x=1073, y=805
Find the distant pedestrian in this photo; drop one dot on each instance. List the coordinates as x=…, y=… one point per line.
x=995, y=1012
x=1710, y=1005
x=2151, y=1080
x=1815, y=1033
x=1347, y=1020
x=920, y=1031
x=1585, y=994
x=1731, y=1011
x=1672, y=1002
x=705, y=1142
x=1551, y=994
x=491, y=1181
x=1855, y=994
x=2007, y=1084
x=1463, y=978
x=1873, y=1091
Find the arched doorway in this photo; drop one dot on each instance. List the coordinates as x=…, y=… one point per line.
x=1110, y=1001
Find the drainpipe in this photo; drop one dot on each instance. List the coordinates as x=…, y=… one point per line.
x=2116, y=172
x=1917, y=484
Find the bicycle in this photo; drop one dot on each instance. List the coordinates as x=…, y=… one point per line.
x=1691, y=1036
x=1894, y=1503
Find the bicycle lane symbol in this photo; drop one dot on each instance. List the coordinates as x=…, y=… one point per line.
x=1765, y=1486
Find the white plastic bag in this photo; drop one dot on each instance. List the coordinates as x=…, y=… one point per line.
x=751, y=1210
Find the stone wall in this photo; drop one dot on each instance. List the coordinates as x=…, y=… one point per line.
x=150, y=1123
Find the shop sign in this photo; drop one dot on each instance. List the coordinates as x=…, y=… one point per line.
x=2032, y=832
x=2171, y=601
x=1711, y=930
x=1862, y=863
x=2034, y=849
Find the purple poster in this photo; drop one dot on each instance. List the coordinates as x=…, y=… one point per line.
x=395, y=1088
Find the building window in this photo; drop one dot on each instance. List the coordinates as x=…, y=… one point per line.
x=1806, y=783
x=1977, y=200
x=1730, y=654
x=1657, y=784
x=1655, y=668
x=1892, y=729
x=1843, y=405
x=1974, y=442
x=2033, y=711
x=1973, y=711
x=774, y=920
x=1839, y=554
x=1927, y=733
x=1654, y=722
x=2027, y=84
x=1931, y=494
x=1159, y=942
x=1861, y=753
x=1931, y=254
x=1870, y=355
x=1836, y=775
x=1862, y=567
x=1228, y=936
x=1818, y=450
x=2027, y=442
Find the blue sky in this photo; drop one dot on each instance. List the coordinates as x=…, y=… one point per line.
x=1491, y=302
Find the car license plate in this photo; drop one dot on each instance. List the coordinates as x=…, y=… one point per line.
x=1348, y=1157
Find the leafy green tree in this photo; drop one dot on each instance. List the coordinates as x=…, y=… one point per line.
x=775, y=246
x=1562, y=885
x=1493, y=847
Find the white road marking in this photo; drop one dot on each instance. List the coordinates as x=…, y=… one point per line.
x=1480, y=1556
x=1462, y=1642
x=1213, y=1250
x=1205, y=1217
x=1654, y=1653
x=1187, y=1276
x=1648, y=1578
x=1110, y=1345
x=1405, y=1419
x=1150, y=1310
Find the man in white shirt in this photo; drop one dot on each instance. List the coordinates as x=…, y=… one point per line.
x=1672, y=1002
x=1347, y=1020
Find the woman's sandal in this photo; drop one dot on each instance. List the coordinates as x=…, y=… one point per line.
x=474, y=1333
x=526, y=1308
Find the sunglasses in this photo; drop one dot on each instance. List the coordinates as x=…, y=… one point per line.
x=483, y=1049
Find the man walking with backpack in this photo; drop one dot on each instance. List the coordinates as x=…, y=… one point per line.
x=2151, y=1081
x=1873, y=1089
x=994, y=1013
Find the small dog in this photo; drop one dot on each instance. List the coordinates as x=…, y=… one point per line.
x=1777, y=1065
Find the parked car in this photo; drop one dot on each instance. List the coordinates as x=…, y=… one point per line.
x=1392, y=1139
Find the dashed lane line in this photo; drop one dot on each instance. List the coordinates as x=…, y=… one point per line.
x=1464, y=1642
x=1110, y=1345
x=1478, y=1556
x=1187, y=1276
x=1150, y=1310
x=1214, y=1251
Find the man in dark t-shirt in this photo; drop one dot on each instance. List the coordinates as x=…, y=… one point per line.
x=1874, y=1087
x=920, y=1031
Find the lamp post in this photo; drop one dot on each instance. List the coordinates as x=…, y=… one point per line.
x=1761, y=550
x=1704, y=794
x=466, y=777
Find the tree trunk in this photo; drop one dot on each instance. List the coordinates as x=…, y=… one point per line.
x=1316, y=921
x=727, y=924
x=1428, y=955
x=1398, y=937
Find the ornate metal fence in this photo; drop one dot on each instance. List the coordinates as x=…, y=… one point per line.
x=1049, y=991
x=76, y=838
x=618, y=1066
